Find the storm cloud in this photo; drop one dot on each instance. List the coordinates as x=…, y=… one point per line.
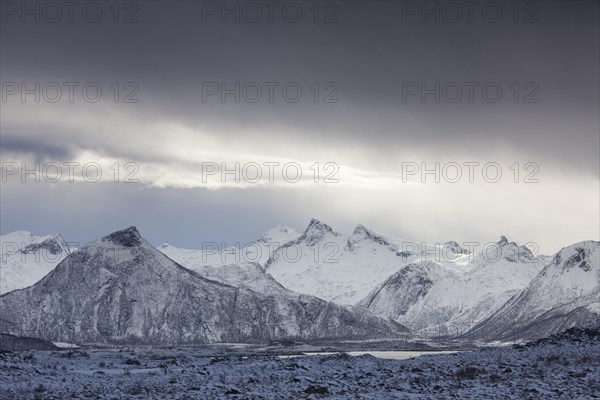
x=374, y=88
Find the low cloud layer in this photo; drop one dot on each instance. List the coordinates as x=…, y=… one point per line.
x=363, y=101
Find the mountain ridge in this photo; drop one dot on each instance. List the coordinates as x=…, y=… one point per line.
x=371, y=270
x=120, y=289
x=565, y=293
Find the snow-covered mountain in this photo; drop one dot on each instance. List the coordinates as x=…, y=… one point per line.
x=249, y=276
x=243, y=275
x=335, y=267
x=217, y=254
x=25, y=258
x=422, y=295
x=120, y=289
x=239, y=267
x=448, y=299
x=436, y=290
x=564, y=294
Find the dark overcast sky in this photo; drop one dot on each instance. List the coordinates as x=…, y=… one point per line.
x=369, y=54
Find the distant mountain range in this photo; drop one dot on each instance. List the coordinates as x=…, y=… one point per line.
x=317, y=284
x=120, y=289
x=446, y=298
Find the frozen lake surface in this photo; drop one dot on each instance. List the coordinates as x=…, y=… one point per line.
x=387, y=355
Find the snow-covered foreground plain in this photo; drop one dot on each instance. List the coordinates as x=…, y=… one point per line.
x=565, y=368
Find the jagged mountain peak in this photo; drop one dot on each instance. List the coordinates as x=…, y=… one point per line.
x=361, y=233
x=124, y=253
x=315, y=231
x=360, y=229
x=53, y=245
x=25, y=242
x=503, y=241
x=505, y=250
x=315, y=224
x=129, y=237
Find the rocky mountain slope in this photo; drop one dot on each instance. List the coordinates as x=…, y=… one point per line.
x=120, y=289
x=445, y=299
x=566, y=293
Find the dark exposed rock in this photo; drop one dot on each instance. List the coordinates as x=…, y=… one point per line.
x=316, y=390
x=53, y=246
x=129, y=237
x=15, y=343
